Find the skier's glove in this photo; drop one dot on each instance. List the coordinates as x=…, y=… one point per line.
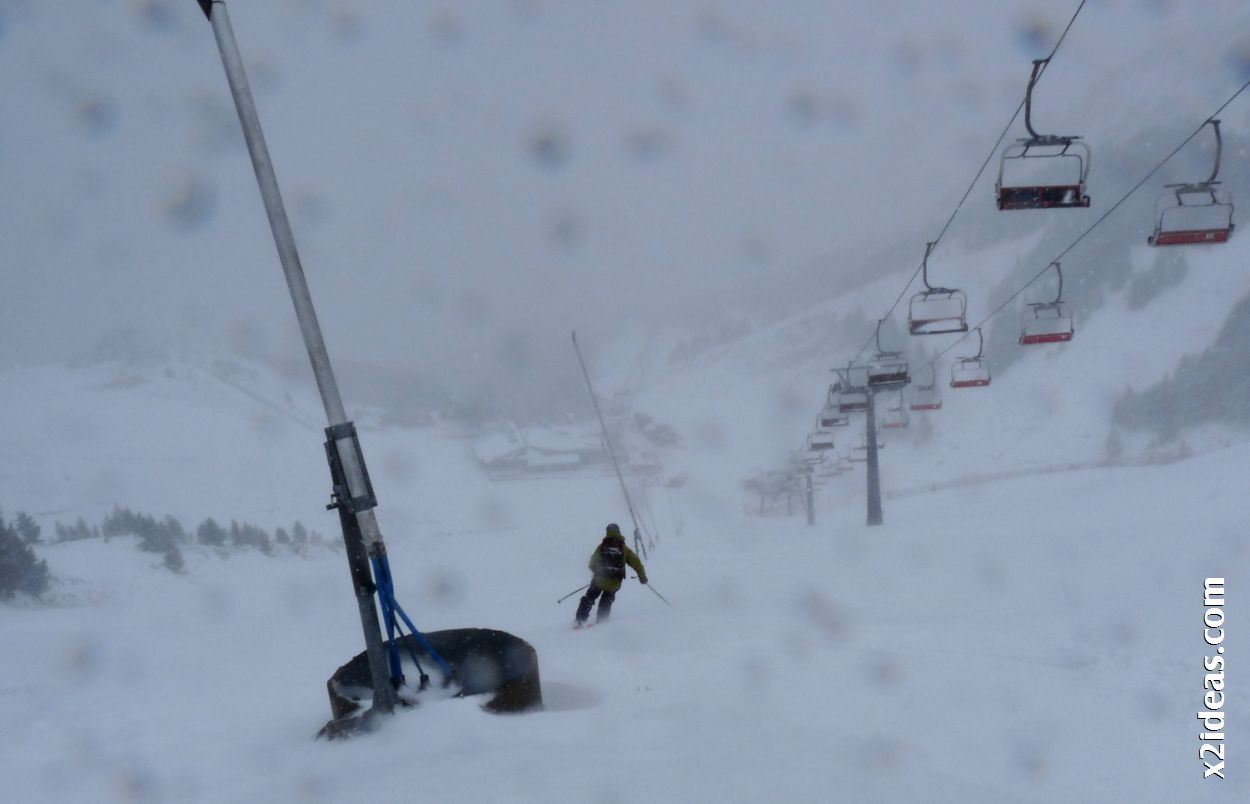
x=642, y=579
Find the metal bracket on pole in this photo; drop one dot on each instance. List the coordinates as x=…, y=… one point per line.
x=357, y=499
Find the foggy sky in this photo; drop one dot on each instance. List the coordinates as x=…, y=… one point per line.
x=469, y=182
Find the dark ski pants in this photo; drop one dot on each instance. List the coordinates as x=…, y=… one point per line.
x=588, y=602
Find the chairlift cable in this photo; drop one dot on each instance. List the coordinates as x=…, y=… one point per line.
x=980, y=171
x=1097, y=222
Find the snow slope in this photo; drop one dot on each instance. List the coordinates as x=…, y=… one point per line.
x=1034, y=639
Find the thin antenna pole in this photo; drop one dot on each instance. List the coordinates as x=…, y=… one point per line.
x=360, y=527
x=611, y=451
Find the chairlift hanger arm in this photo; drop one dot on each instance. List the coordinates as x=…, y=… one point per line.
x=1058, y=295
x=1219, y=147
x=924, y=275
x=1038, y=66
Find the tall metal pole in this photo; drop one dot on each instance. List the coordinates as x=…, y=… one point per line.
x=811, y=501
x=874, y=478
x=361, y=535
x=638, y=545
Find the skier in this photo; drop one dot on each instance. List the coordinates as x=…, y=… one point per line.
x=608, y=565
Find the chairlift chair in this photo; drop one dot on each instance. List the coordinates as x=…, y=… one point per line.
x=925, y=396
x=1054, y=167
x=1195, y=213
x=859, y=452
x=895, y=416
x=971, y=372
x=819, y=442
x=851, y=397
x=1047, y=322
x=831, y=415
x=887, y=369
x=936, y=310
x=853, y=400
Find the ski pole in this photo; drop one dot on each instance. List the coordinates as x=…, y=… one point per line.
x=657, y=594
x=570, y=594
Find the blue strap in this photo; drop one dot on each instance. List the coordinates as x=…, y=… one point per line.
x=388, y=617
x=391, y=607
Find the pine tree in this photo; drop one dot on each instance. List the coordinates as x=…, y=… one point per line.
x=173, y=559
x=210, y=533
x=20, y=569
x=79, y=530
x=27, y=528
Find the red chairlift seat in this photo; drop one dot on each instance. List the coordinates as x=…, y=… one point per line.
x=924, y=395
x=1202, y=213
x=1041, y=196
x=934, y=311
x=971, y=372
x=895, y=416
x=937, y=311
x=1191, y=237
x=1189, y=222
x=1046, y=322
x=1054, y=167
x=925, y=401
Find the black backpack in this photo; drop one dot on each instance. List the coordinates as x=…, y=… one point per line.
x=612, y=561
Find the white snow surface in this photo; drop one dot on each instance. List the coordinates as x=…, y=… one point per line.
x=1032, y=639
